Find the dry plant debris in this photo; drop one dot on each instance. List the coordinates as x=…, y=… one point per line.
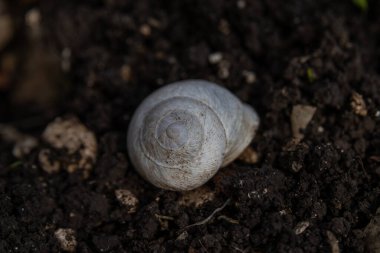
x=205, y=221
x=127, y=199
x=358, y=104
x=66, y=239
x=300, y=118
x=73, y=137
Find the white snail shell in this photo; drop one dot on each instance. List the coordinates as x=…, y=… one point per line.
x=184, y=132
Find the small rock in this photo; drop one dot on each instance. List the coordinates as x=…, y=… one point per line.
x=250, y=77
x=145, y=30
x=300, y=119
x=224, y=69
x=196, y=197
x=358, y=104
x=301, y=227
x=215, y=58
x=66, y=238
x=249, y=156
x=128, y=199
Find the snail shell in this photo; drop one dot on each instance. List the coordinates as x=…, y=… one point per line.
x=184, y=132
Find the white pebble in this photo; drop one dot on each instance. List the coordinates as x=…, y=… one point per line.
x=66, y=238
x=249, y=76
x=215, y=58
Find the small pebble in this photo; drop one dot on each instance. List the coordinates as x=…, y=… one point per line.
x=145, y=30
x=66, y=239
x=128, y=199
x=215, y=58
x=250, y=77
x=358, y=104
x=224, y=69
x=301, y=227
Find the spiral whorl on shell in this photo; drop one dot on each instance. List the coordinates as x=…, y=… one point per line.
x=184, y=132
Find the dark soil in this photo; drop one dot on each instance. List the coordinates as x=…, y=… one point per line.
x=302, y=52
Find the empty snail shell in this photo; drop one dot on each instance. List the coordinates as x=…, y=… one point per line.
x=184, y=132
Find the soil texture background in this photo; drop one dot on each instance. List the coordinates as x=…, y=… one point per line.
x=73, y=72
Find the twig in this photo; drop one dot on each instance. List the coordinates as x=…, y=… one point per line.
x=228, y=219
x=207, y=219
x=163, y=217
x=237, y=249
x=362, y=167
x=202, y=245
